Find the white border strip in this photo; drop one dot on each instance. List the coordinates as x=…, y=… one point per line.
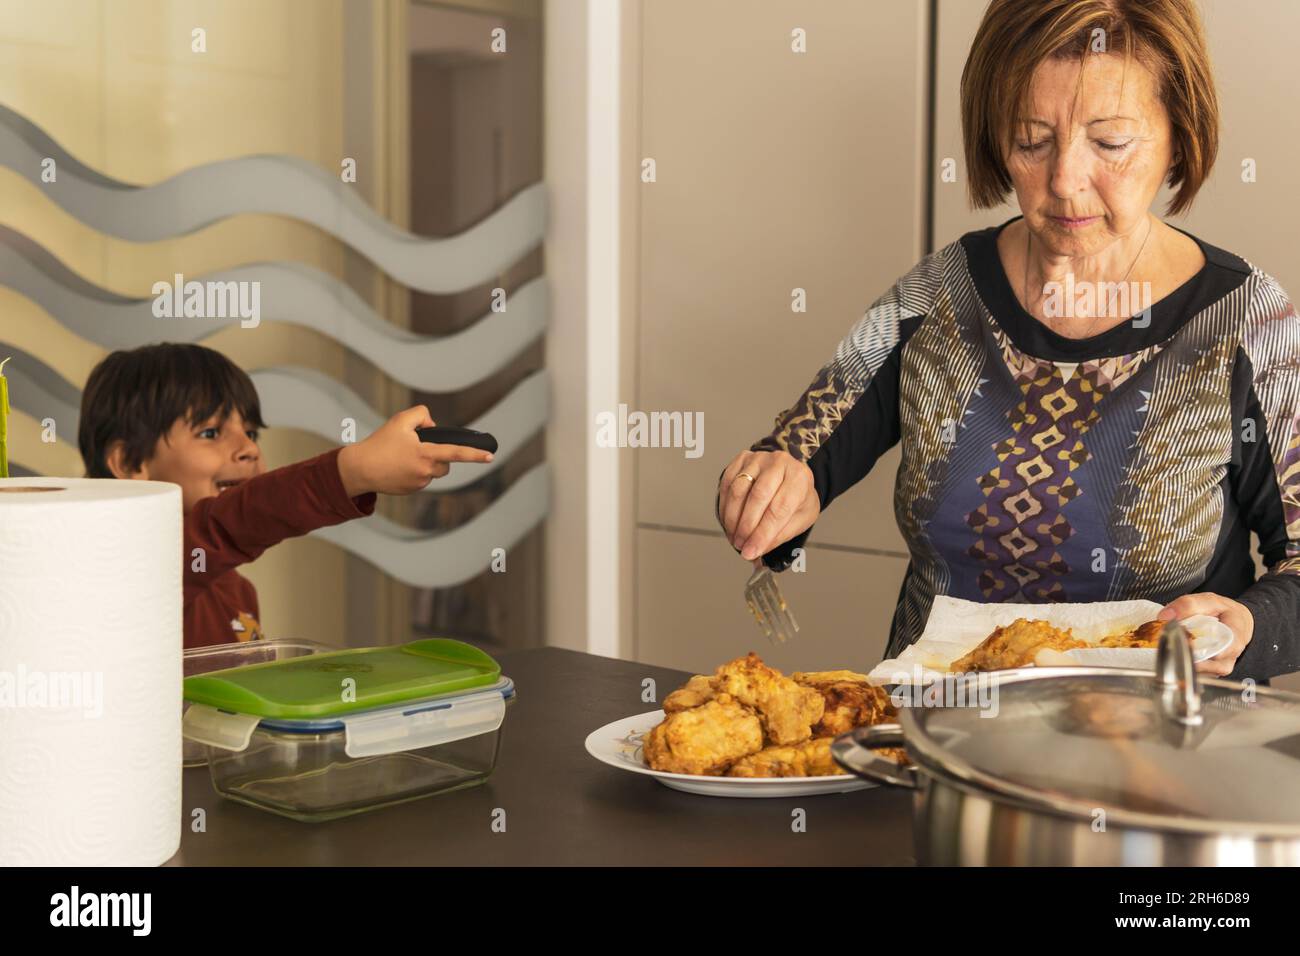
x=603, y=132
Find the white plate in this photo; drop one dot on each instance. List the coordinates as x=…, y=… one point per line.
x=619, y=745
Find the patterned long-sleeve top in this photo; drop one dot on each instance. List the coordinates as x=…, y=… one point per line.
x=1036, y=468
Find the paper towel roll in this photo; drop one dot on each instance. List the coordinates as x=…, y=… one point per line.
x=90, y=671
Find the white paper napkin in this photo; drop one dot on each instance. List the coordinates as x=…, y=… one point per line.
x=956, y=626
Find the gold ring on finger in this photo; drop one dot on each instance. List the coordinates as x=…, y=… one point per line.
x=745, y=474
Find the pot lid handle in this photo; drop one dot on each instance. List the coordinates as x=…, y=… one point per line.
x=1176, y=681
x=855, y=752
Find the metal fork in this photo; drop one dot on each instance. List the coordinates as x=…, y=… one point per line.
x=763, y=595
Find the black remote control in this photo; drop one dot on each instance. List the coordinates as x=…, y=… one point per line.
x=452, y=435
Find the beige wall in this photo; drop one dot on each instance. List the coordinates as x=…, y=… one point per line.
x=1251, y=55
x=116, y=83
x=777, y=171
x=771, y=176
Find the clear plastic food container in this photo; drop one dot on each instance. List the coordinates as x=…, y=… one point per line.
x=334, y=734
x=220, y=657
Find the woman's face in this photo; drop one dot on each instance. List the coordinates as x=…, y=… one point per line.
x=1084, y=180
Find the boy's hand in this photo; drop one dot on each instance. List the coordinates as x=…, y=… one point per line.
x=394, y=461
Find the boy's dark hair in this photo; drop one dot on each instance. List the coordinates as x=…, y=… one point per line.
x=136, y=396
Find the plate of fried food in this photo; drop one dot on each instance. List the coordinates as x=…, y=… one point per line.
x=747, y=730
x=966, y=636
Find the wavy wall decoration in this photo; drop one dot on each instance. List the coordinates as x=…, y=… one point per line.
x=451, y=557
x=303, y=296
x=293, y=293
x=278, y=185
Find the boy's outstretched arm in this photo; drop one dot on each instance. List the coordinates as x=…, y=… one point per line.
x=235, y=527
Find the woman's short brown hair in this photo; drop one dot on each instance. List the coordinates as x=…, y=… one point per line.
x=1015, y=36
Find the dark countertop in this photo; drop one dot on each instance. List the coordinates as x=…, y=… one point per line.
x=562, y=806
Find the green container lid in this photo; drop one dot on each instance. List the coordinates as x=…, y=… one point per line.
x=313, y=686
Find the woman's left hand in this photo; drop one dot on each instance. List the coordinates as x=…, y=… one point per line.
x=1232, y=613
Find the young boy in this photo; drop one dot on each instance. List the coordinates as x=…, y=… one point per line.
x=188, y=415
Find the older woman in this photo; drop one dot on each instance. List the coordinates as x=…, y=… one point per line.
x=1062, y=438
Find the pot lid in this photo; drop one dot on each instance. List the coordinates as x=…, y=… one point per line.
x=1163, y=749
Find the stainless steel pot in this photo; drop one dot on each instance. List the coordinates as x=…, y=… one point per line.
x=1084, y=766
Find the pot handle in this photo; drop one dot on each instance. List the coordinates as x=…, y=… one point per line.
x=1176, y=681
x=855, y=752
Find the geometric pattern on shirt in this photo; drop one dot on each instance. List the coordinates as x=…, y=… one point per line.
x=1023, y=521
x=939, y=378
x=1288, y=467
x=804, y=427
x=1271, y=339
x=1169, y=505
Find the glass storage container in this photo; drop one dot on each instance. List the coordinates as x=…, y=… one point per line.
x=219, y=657
x=329, y=735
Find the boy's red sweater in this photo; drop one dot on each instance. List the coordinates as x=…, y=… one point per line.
x=236, y=526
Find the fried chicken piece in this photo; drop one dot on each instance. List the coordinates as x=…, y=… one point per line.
x=1016, y=645
x=818, y=678
x=1145, y=635
x=788, y=710
x=849, y=701
x=812, y=758
x=705, y=739
x=896, y=754
x=696, y=691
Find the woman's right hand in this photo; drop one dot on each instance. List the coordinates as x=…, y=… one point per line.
x=779, y=504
